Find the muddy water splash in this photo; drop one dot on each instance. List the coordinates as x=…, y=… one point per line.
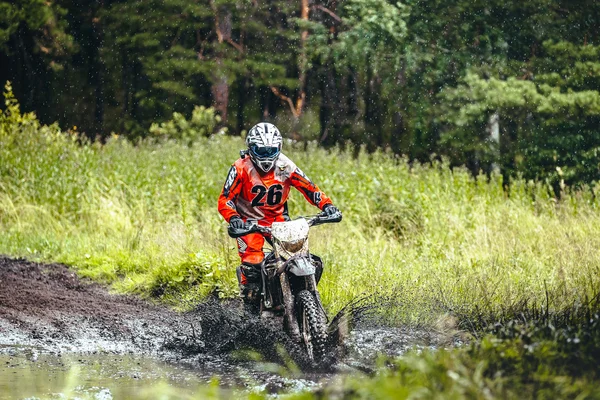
x=357, y=335
x=227, y=329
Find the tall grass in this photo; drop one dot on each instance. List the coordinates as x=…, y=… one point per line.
x=143, y=218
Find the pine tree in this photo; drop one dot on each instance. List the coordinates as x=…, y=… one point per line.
x=34, y=48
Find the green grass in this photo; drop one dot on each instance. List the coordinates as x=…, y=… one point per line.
x=446, y=247
x=143, y=219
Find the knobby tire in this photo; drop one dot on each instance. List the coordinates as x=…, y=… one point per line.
x=312, y=325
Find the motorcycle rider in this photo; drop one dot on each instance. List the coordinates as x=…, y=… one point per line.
x=257, y=188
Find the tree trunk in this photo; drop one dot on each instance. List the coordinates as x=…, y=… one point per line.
x=373, y=110
x=493, y=129
x=398, y=120
x=352, y=94
x=220, y=81
x=327, y=86
x=97, y=75
x=241, y=101
x=220, y=92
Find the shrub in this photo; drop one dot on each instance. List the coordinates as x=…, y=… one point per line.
x=203, y=123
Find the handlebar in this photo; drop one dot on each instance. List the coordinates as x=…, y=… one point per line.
x=248, y=229
x=253, y=227
x=323, y=218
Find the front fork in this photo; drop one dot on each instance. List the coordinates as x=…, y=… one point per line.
x=290, y=321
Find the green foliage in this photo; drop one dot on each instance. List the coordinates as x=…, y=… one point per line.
x=202, y=124
x=410, y=76
x=400, y=217
x=103, y=209
x=548, y=125
x=372, y=27
x=42, y=18
x=11, y=117
x=177, y=53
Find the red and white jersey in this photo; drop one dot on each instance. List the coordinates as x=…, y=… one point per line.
x=262, y=197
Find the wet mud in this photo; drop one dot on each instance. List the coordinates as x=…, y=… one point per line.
x=47, y=311
x=46, y=306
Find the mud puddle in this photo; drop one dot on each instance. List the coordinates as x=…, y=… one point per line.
x=34, y=372
x=25, y=373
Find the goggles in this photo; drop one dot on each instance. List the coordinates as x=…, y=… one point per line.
x=263, y=151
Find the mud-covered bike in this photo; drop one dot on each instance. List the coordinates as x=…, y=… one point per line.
x=289, y=278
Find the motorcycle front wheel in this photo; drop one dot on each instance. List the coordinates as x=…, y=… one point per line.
x=313, y=328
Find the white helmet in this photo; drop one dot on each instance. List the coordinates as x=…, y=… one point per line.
x=264, y=145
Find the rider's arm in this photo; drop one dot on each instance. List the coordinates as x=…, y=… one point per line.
x=231, y=189
x=311, y=192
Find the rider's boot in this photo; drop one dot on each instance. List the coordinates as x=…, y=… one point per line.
x=249, y=280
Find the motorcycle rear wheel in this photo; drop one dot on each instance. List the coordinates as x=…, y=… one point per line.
x=313, y=329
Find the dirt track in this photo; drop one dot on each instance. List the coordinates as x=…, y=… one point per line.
x=49, y=307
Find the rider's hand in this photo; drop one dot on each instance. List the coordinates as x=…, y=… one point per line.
x=236, y=222
x=330, y=209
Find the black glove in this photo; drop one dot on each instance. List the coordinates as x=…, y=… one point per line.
x=236, y=222
x=330, y=209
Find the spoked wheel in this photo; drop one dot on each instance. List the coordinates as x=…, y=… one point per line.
x=312, y=326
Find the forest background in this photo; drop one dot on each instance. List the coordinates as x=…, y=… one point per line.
x=505, y=85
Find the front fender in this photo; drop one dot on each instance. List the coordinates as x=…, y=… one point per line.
x=301, y=266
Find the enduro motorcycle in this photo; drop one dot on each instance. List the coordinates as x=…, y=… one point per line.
x=290, y=275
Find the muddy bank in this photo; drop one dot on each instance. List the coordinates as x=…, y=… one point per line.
x=48, y=307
